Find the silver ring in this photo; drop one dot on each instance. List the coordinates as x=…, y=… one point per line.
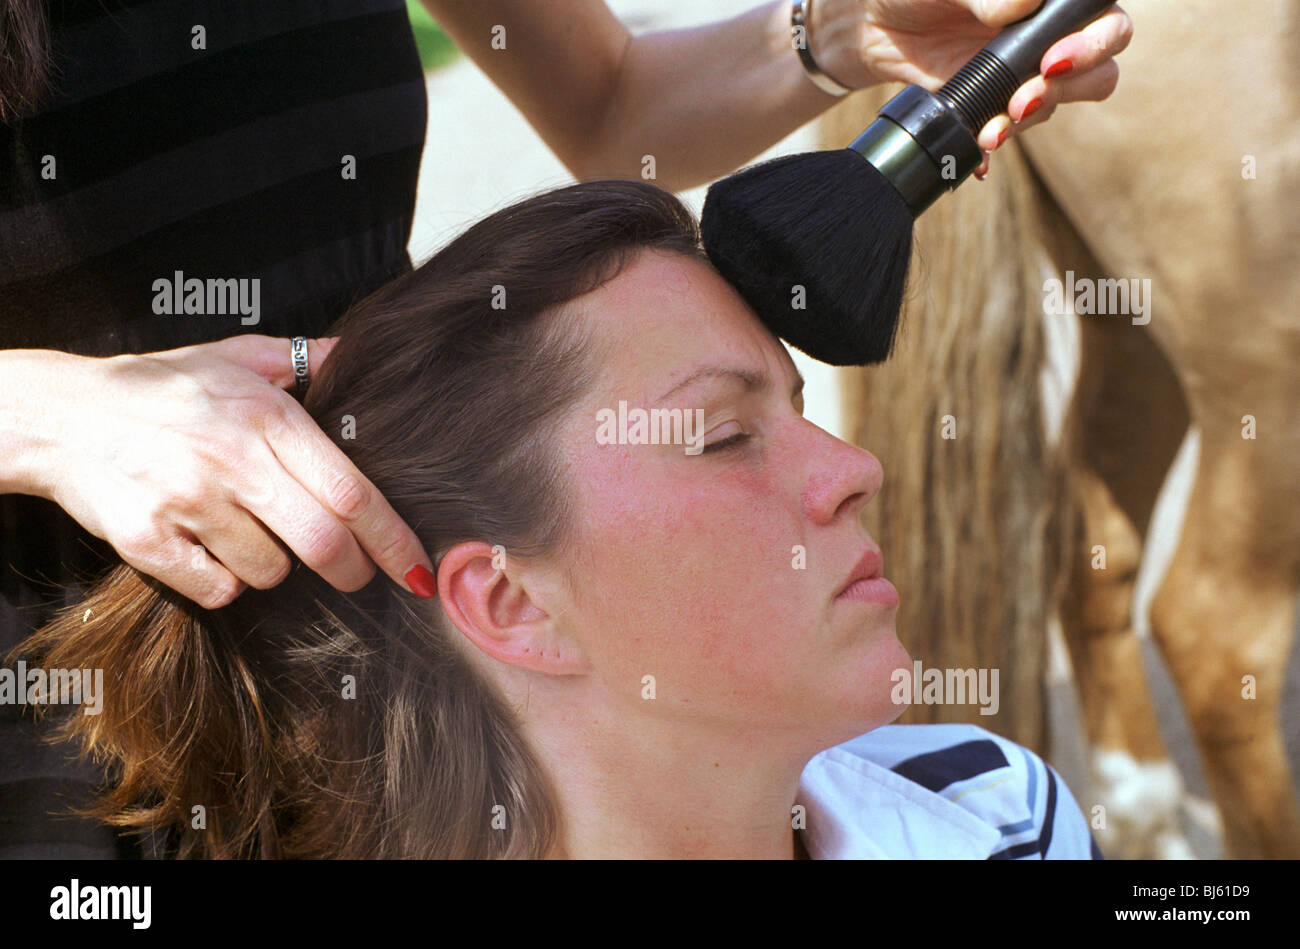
x=301, y=377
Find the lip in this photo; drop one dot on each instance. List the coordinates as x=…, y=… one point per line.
x=869, y=566
x=876, y=590
x=865, y=582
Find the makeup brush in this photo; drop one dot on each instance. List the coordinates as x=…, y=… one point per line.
x=819, y=243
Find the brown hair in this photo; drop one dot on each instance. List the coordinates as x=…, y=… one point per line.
x=454, y=403
x=24, y=57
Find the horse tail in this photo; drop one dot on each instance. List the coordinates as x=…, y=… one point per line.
x=976, y=513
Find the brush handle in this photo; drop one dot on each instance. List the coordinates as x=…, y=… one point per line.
x=982, y=88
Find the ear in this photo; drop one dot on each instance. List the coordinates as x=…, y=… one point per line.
x=494, y=608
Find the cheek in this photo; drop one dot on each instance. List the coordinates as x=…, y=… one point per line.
x=695, y=578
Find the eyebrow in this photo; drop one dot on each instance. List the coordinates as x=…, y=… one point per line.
x=751, y=380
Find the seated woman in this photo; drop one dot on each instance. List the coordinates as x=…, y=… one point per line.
x=638, y=649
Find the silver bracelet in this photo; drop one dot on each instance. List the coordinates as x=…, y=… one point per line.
x=801, y=16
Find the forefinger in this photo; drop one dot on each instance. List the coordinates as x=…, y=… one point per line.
x=1099, y=41
x=1077, y=67
x=329, y=476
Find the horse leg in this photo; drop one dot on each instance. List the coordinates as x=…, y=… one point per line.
x=1224, y=617
x=1130, y=416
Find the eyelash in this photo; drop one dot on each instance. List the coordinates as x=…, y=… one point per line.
x=733, y=442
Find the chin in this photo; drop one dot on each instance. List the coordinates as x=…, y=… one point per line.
x=874, y=705
x=861, y=713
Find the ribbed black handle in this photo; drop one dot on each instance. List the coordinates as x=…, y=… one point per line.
x=982, y=88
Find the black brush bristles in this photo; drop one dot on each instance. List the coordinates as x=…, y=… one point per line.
x=827, y=222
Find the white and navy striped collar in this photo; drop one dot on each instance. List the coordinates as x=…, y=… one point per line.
x=857, y=809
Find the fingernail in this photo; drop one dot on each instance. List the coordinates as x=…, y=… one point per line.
x=1058, y=68
x=421, y=581
x=1034, y=106
x=1002, y=137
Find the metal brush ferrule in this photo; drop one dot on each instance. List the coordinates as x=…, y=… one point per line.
x=921, y=145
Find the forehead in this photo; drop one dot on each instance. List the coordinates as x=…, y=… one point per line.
x=665, y=314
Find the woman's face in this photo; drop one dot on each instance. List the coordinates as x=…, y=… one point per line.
x=717, y=573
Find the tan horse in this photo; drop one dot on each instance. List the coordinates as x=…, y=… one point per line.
x=996, y=515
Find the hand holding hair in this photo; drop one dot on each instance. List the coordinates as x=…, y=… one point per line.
x=191, y=466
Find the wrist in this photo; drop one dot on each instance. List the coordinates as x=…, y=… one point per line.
x=31, y=400
x=831, y=58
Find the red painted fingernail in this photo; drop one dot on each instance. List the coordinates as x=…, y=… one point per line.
x=1002, y=137
x=1058, y=69
x=1034, y=106
x=420, y=580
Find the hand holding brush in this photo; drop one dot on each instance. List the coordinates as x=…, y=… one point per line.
x=838, y=223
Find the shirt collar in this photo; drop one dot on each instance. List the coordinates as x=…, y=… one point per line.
x=857, y=809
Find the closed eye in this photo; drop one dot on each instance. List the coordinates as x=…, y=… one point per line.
x=732, y=442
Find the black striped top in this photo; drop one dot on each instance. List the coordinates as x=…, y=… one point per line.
x=218, y=163
x=225, y=162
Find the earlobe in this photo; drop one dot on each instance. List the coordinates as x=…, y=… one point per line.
x=494, y=610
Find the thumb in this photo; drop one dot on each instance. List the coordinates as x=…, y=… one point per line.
x=1001, y=12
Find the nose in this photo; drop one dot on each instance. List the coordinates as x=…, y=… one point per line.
x=841, y=478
